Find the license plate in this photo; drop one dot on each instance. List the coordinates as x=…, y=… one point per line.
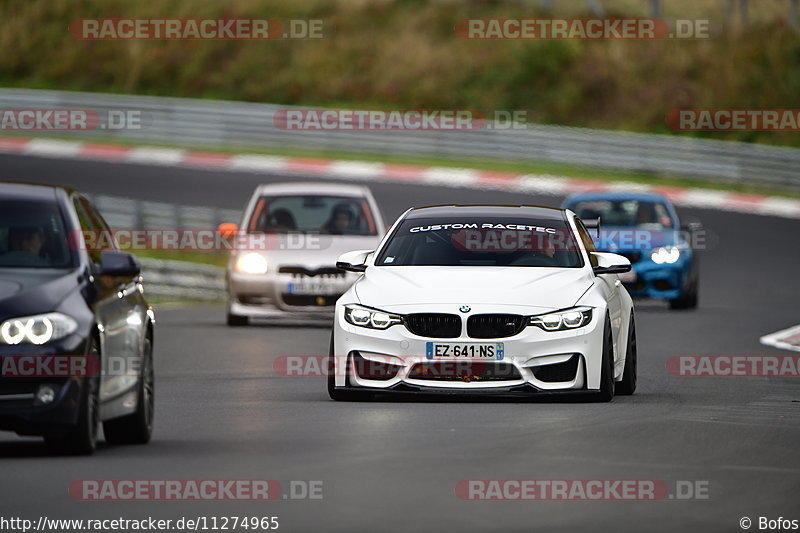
x=304, y=288
x=628, y=277
x=488, y=350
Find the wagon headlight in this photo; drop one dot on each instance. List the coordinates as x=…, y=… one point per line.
x=37, y=329
x=251, y=263
x=560, y=320
x=370, y=318
x=665, y=254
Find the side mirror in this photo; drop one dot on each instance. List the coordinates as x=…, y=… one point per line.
x=610, y=263
x=114, y=263
x=353, y=261
x=227, y=229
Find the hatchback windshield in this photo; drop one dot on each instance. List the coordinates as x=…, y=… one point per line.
x=32, y=235
x=626, y=213
x=490, y=241
x=334, y=215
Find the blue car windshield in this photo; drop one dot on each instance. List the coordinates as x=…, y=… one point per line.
x=644, y=214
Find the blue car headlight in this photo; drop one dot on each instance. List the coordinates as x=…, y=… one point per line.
x=665, y=255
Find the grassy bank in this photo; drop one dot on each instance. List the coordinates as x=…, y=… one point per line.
x=405, y=54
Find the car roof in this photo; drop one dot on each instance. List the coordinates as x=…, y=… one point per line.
x=313, y=188
x=12, y=190
x=446, y=211
x=641, y=196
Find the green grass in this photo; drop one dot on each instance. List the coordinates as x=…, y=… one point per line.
x=405, y=54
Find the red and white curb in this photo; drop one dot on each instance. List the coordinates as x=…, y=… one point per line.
x=367, y=172
x=786, y=339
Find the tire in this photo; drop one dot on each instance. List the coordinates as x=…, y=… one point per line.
x=687, y=299
x=81, y=438
x=627, y=386
x=340, y=395
x=237, y=320
x=606, y=392
x=137, y=427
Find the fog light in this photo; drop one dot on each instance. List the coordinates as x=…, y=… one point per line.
x=46, y=394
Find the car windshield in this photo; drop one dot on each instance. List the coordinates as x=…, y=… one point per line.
x=482, y=241
x=626, y=213
x=32, y=235
x=333, y=215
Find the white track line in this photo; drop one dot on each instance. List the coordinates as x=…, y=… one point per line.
x=369, y=172
x=778, y=339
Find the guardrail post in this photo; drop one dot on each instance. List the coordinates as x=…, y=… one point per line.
x=655, y=9
x=138, y=214
x=596, y=7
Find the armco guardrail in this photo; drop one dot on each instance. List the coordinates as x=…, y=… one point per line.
x=129, y=213
x=166, y=279
x=182, y=280
x=241, y=124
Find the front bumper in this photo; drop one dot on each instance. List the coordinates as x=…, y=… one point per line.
x=533, y=360
x=20, y=411
x=273, y=294
x=665, y=281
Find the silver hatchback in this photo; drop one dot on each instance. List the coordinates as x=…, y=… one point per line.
x=290, y=235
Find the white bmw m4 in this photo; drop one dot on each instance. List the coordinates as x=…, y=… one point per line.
x=484, y=299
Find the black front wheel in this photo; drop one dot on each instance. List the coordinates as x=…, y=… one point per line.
x=606, y=392
x=627, y=386
x=137, y=427
x=81, y=438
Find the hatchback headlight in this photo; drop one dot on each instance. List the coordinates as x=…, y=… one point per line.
x=560, y=320
x=37, y=329
x=366, y=317
x=665, y=254
x=251, y=263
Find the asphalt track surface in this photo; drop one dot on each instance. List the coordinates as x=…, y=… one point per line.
x=392, y=465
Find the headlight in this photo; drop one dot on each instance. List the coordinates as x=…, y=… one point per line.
x=665, y=254
x=370, y=318
x=560, y=320
x=37, y=329
x=251, y=263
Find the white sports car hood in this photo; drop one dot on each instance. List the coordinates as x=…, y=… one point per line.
x=553, y=288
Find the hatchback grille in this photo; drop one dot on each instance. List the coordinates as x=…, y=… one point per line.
x=494, y=326
x=435, y=325
x=324, y=271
